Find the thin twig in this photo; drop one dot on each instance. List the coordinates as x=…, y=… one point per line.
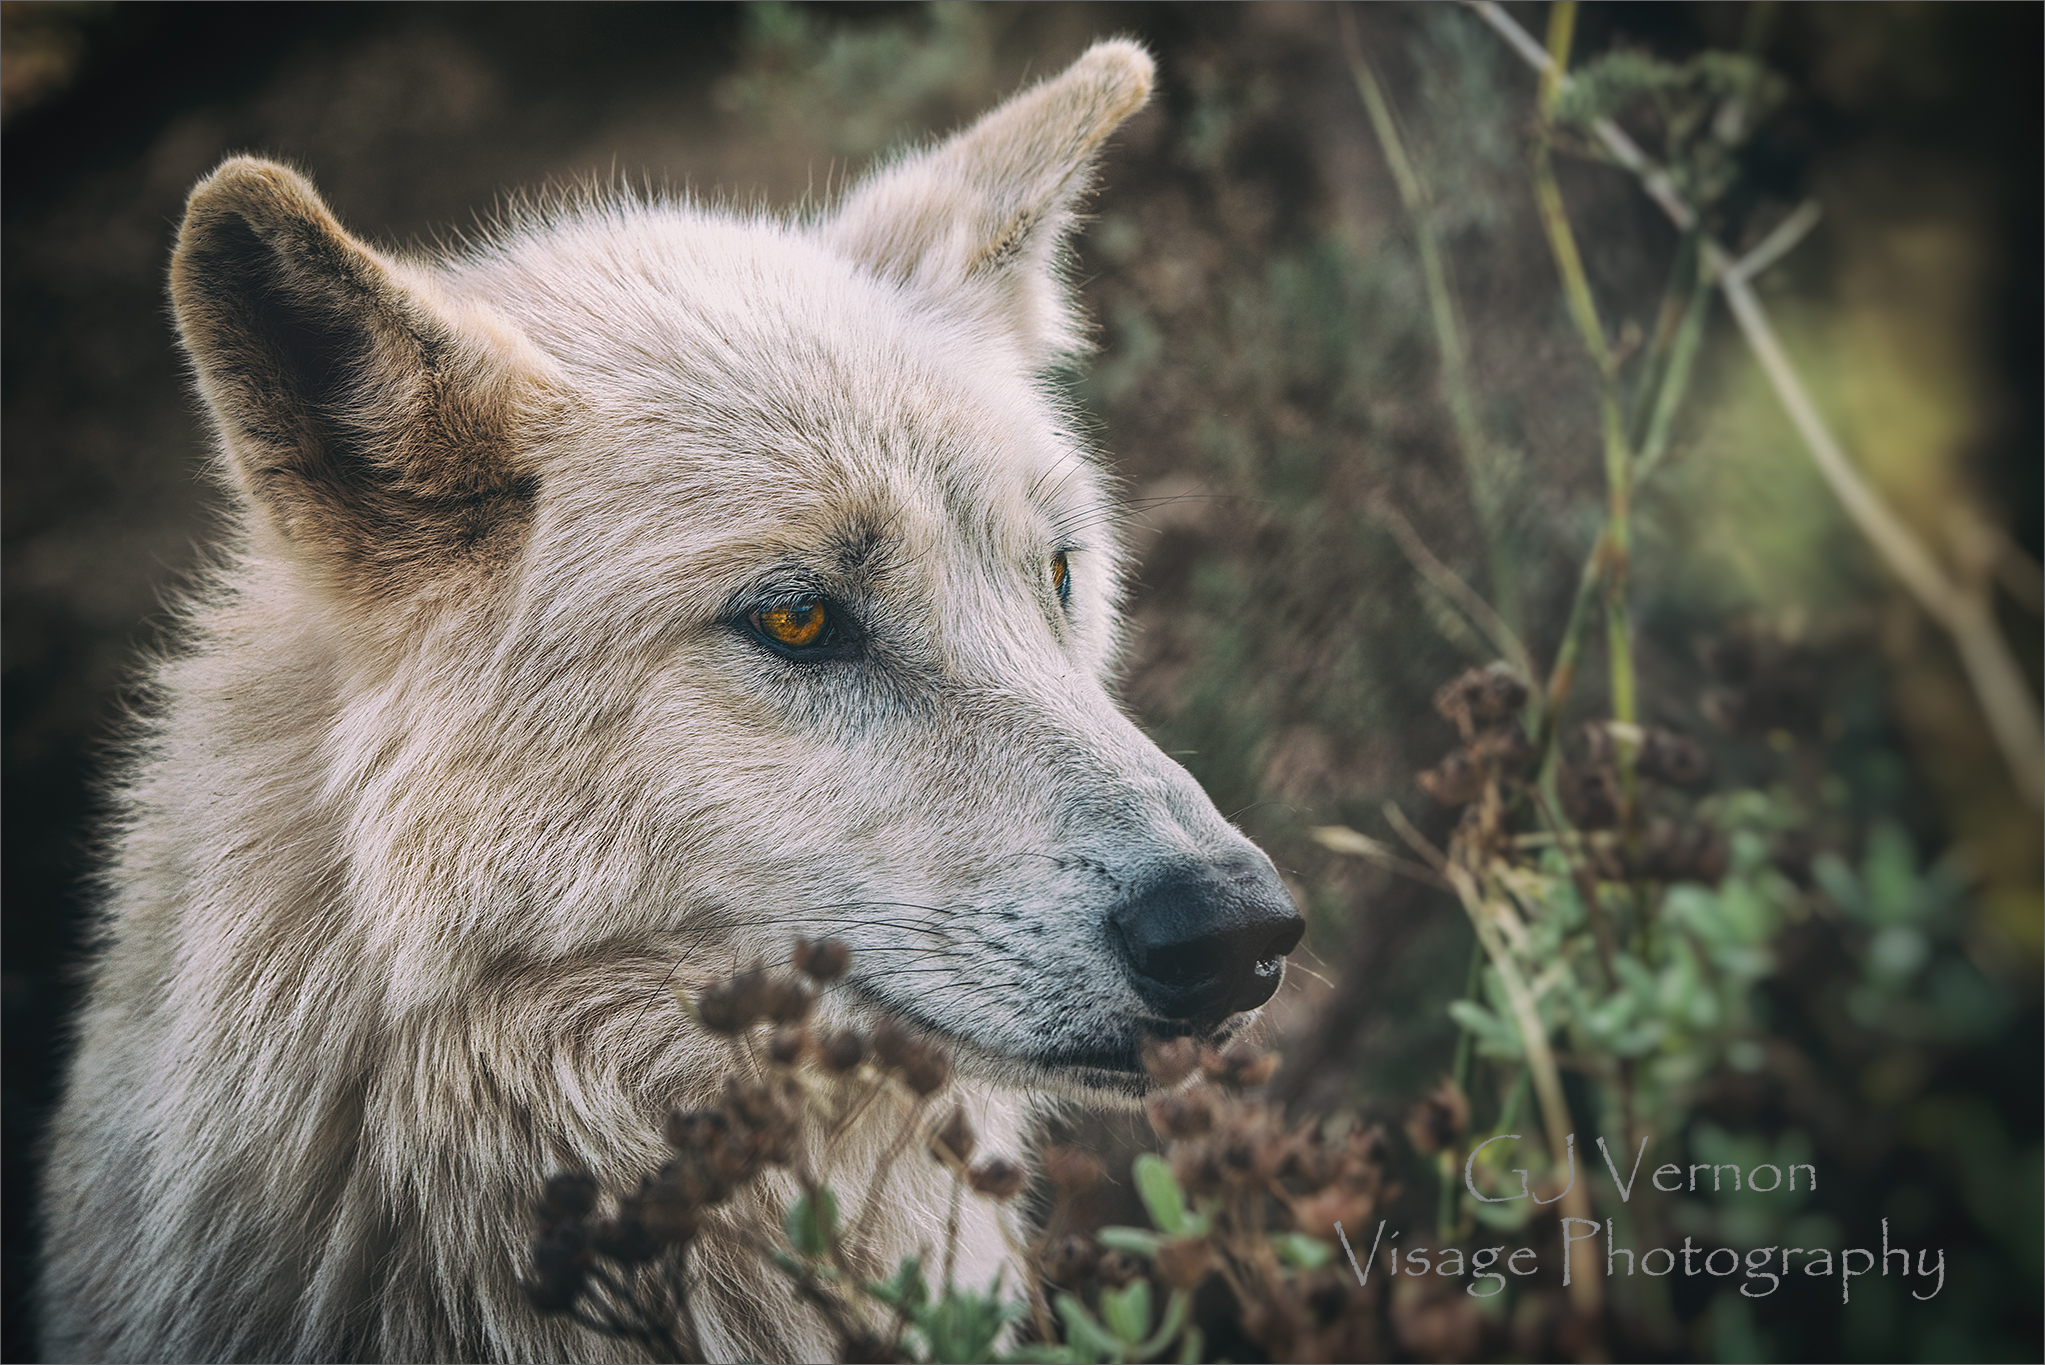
x=1585, y=1288
x=2005, y=696
x=1342, y=839
x=1451, y=586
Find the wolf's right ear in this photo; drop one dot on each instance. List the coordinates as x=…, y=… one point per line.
x=376, y=426
x=978, y=220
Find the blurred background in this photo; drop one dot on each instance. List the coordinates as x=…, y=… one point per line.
x=1267, y=382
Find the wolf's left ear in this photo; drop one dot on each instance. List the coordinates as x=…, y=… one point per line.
x=978, y=220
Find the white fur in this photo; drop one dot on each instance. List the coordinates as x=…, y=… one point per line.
x=401, y=872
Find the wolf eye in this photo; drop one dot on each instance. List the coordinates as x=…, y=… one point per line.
x=793, y=625
x=1061, y=576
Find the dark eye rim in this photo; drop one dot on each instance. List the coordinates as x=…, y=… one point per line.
x=1062, y=584
x=837, y=640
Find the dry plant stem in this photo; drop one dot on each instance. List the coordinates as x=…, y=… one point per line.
x=1676, y=378
x=1999, y=685
x=1583, y=309
x=1585, y=1290
x=1445, y=579
x=885, y=1169
x=1479, y=459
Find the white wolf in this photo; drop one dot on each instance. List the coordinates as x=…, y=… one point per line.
x=643, y=585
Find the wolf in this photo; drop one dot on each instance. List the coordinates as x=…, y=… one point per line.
x=629, y=590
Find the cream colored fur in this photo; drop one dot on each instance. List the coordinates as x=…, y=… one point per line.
x=465, y=751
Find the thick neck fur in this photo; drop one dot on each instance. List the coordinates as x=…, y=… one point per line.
x=254, y=1085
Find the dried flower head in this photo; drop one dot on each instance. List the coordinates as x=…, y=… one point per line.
x=1439, y=1120
x=624, y=1239
x=821, y=960
x=892, y=1046
x=928, y=1070
x=667, y=1217
x=1181, y=1115
x=955, y=1138
x=695, y=1130
x=843, y=1050
x=569, y=1195
x=1184, y=1261
x=1239, y=1066
x=1068, y=1260
x=1482, y=698
x=560, y=1265
x=785, y=1000
x=787, y=1045
x=734, y=1004
x=1118, y=1268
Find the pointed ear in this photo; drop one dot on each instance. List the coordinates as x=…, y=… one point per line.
x=978, y=220
x=375, y=426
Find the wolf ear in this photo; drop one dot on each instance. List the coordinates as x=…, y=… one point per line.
x=375, y=425
x=979, y=219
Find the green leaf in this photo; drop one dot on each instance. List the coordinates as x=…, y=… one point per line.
x=1127, y=1310
x=1161, y=1194
x=1176, y=1308
x=963, y=1325
x=1135, y=1241
x=813, y=1225
x=1196, y=1341
x=1296, y=1248
x=1496, y=1037
x=905, y=1290
x=1086, y=1336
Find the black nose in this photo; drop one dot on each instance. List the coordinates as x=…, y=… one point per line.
x=1203, y=941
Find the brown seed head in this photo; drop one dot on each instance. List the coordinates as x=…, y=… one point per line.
x=1184, y=1261
x=624, y=1239
x=1071, y=1169
x=1481, y=698
x=842, y=1051
x=1070, y=1259
x=733, y=1005
x=1118, y=1268
x=956, y=1138
x=1196, y=1168
x=929, y=1071
x=787, y=1045
x=569, y=1195
x=695, y=1129
x=1170, y=1060
x=750, y=1104
x=667, y=1217
x=690, y=1177
x=821, y=960
x=997, y=1179
x=785, y=1000
x=1239, y=1066
x=1181, y=1115
x=892, y=1046
x=1439, y=1120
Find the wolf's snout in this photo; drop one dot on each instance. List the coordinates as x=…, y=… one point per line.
x=1204, y=941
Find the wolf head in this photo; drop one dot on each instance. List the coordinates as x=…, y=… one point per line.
x=686, y=580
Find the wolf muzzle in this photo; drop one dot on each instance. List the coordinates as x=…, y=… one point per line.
x=1202, y=941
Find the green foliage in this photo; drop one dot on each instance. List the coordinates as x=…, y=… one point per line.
x=1164, y=1201
x=812, y=1224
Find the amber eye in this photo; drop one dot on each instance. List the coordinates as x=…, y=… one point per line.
x=1061, y=576
x=796, y=625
